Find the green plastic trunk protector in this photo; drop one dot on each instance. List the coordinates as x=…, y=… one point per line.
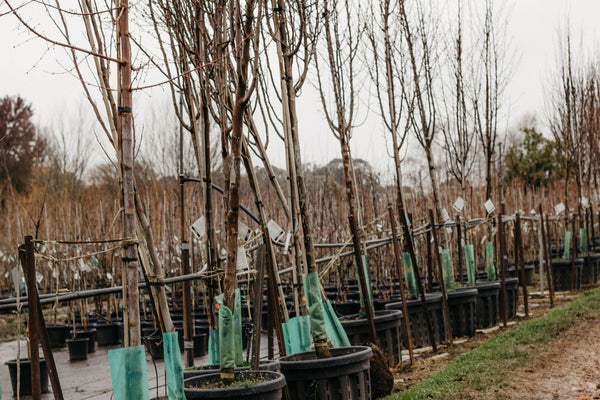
x=470, y=260
x=213, y=347
x=448, y=271
x=173, y=367
x=409, y=276
x=128, y=373
x=365, y=265
x=567, y=252
x=296, y=335
x=226, y=338
x=335, y=330
x=312, y=293
x=489, y=261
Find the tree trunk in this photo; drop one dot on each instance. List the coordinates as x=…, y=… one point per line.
x=130, y=260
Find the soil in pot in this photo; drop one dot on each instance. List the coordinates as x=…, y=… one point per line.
x=78, y=348
x=267, y=365
x=25, y=377
x=255, y=385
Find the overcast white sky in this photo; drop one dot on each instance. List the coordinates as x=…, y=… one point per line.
x=28, y=70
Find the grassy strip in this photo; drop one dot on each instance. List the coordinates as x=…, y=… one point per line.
x=484, y=368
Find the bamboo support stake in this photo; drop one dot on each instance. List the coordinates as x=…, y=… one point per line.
x=407, y=331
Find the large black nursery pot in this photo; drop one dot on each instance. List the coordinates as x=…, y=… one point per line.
x=57, y=334
x=591, y=268
x=25, y=376
x=107, y=334
x=418, y=322
x=488, y=304
x=512, y=297
x=344, y=375
x=268, y=365
x=78, y=348
x=269, y=387
x=462, y=305
x=561, y=274
x=387, y=326
x=91, y=335
x=513, y=272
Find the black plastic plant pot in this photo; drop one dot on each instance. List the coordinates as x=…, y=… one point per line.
x=347, y=308
x=344, y=375
x=488, y=304
x=200, y=344
x=78, y=348
x=269, y=386
x=561, y=274
x=591, y=266
x=107, y=334
x=462, y=305
x=25, y=376
x=91, y=335
x=57, y=334
x=514, y=273
x=418, y=321
x=512, y=297
x=387, y=326
x=268, y=365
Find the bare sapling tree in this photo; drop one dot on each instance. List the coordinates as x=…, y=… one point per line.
x=242, y=68
x=420, y=38
x=388, y=74
x=488, y=90
x=459, y=135
x=295, y=27
x=108, y=35
x=341, y=34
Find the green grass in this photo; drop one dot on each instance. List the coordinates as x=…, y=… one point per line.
x=484, y=368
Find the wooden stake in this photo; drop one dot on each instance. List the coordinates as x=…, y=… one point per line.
x=258, y=302
x=407, y=331
x=502, y=265
x=520, y=262
x=27, y=257
x=547, y=256
x=445, y=309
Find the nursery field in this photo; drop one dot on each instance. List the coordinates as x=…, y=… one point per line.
x=552, y=356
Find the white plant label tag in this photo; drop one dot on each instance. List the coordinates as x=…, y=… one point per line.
x=242, y=260
x=489, y=206
x=199, y=227
x=244, y=232
x=459, y=204
x=275, y=231
x=560, y=207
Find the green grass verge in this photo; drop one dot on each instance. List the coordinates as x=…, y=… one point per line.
x=485, y=368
